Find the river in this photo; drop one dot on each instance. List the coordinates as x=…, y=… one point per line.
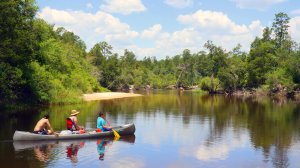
x=173, y=129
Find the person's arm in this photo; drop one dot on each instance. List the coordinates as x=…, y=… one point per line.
x=49, y=126
x=106, y=124
x=76, y=123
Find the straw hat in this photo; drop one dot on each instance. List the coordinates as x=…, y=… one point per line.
x=74, y=112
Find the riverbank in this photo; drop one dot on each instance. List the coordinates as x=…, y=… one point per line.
x=108, y=95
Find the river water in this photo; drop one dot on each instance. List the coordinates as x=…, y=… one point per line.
x=173, y=129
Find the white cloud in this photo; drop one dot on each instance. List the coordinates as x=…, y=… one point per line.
x=92, y=28
x=212, y=22
x=122, y=6
x=296, y=12
x=179, y=3
x=57, y=16
x=152, y=31
x=122, y=38
x=217, y=27
x=200, y=27
x=89, y=5
x=295, y=28
x=256, y=4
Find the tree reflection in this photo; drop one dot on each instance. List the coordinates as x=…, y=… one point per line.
x=272, y=124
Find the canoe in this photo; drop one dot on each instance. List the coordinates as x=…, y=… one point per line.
x=25, y=145
x=127, y=129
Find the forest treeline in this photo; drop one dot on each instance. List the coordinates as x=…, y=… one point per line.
x=43, y=64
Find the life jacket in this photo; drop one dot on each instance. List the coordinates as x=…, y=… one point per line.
x=70, y=124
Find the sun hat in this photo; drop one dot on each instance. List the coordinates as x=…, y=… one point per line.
x=74, y=112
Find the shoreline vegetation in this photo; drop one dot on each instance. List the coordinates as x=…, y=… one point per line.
x=42, y=64
x=108, y=95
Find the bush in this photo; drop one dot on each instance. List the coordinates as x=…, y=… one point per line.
x=279, y=79
x=210, y=84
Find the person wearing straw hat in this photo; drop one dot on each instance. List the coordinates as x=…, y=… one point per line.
x=72, y=123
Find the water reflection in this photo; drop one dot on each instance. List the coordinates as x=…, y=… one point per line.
x=50, y=152
x=42, y=152
x=187, y=127
x=101, y=144
x=72, y=151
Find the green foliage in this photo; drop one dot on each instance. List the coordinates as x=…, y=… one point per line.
x=17, y=41
x=51, y=65
x=40, y=82
x=280, y=27
x=279, y=79
x=293, y=67
x=261, y=60
x=217, y=55
x=10, y=82
x=70, y=70
x=17, y=48
x=210, y=84
x=234, y=76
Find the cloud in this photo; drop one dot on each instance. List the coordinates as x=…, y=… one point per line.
x=256, y=4
x=217, y=27
x=89, y=5
x=179, y=3
x=294, y=29
x=92, y=28
x=123, y=7
x=199, y=27
x=212, y=22
x=296, y=12
x=152, y=31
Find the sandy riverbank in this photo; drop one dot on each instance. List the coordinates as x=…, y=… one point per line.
x=108, y=95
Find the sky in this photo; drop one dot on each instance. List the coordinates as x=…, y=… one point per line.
x=163, y=28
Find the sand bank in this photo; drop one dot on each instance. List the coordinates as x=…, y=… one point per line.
x=108, y=95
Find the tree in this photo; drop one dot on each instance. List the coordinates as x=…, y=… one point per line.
x=70, y=37
x=17, y=47
x=261, y=60
x=280, y=27
x=217, y=55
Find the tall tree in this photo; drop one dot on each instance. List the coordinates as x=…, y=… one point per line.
x=217, y=55
x=17, y=47
x=280, y=27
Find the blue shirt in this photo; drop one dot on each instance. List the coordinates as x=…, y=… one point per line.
x=100, y=123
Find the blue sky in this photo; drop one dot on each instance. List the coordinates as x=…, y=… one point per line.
x=166, y=27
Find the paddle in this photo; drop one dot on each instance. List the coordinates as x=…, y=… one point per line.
x=117, y=136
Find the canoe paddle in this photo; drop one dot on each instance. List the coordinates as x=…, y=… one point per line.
x=117, y=135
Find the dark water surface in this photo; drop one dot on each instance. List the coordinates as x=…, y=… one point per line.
x=172, y=130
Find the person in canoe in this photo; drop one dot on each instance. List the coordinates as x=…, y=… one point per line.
x=43, y=126
x=72, y=122
x=101, y=123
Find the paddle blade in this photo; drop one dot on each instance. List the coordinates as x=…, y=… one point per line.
x=116, y=138
x=116, y=134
